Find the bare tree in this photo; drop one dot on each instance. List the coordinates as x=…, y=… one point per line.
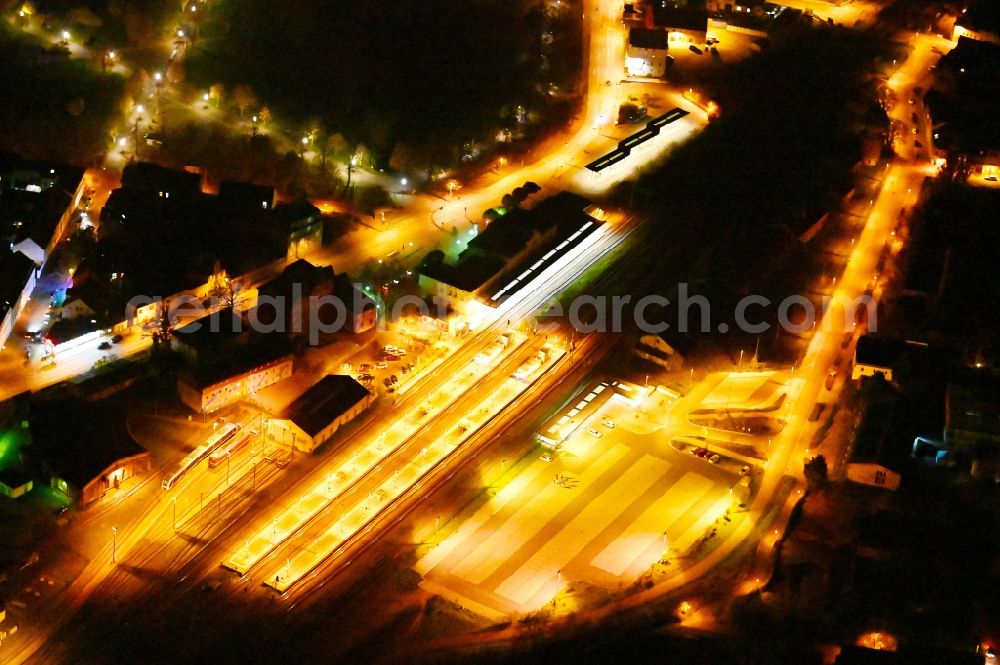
x=216, y=92
x=244, y=98
x=228, y=292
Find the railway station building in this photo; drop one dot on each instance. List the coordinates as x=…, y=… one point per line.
x=312, y=419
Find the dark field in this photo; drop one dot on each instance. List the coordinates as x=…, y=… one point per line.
x=415, y=70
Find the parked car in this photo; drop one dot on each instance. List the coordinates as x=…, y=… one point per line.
x=365, y=368
x=104, y=346
x=714, y=459
x=607, y=422
x=694, y=49
x=394, y=379
x=382, y=364
x=678, y=446
x=744, y=470
x=593, y=432
x=116, y=339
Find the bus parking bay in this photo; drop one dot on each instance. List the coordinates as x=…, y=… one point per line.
x=602, y=511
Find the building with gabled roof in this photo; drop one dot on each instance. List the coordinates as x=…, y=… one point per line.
x=84, y=447
x=312, y=419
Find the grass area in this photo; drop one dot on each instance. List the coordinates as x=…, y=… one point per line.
x=594, y=272
x=53, y=107
x=426, y=73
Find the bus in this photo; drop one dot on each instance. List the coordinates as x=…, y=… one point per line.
x=220, y=438
x=220, y=454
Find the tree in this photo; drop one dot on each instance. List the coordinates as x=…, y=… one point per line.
x=816, y=472
x=216, y=92
x=244, y=98
x=160, y=328
x=228, y=292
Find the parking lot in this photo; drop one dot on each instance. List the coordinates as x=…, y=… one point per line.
x=610, y=502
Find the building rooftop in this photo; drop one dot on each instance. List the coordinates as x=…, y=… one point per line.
x=262, y=350
x=310, y=278
x=905, y=655
x=974, y=409
x=655, y=38
x=355, y=300
x=468, y=274
x=294, y=214
x=222, y=329
x=878, y=351
x=334, y=395
x=161, y=181
x=695, y=19
x=15, y=270
x=965, y=100
x=982, y=16
x=77, y=440
x=245, y=196
x=33, y=198
x=879, y=438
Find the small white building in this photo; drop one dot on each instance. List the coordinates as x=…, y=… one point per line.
x=646, y=54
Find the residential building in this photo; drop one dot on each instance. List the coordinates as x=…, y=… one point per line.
x=300, y=225
x=17, y=281
x=320, y=412
x=304, y=293
x=36, y=205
